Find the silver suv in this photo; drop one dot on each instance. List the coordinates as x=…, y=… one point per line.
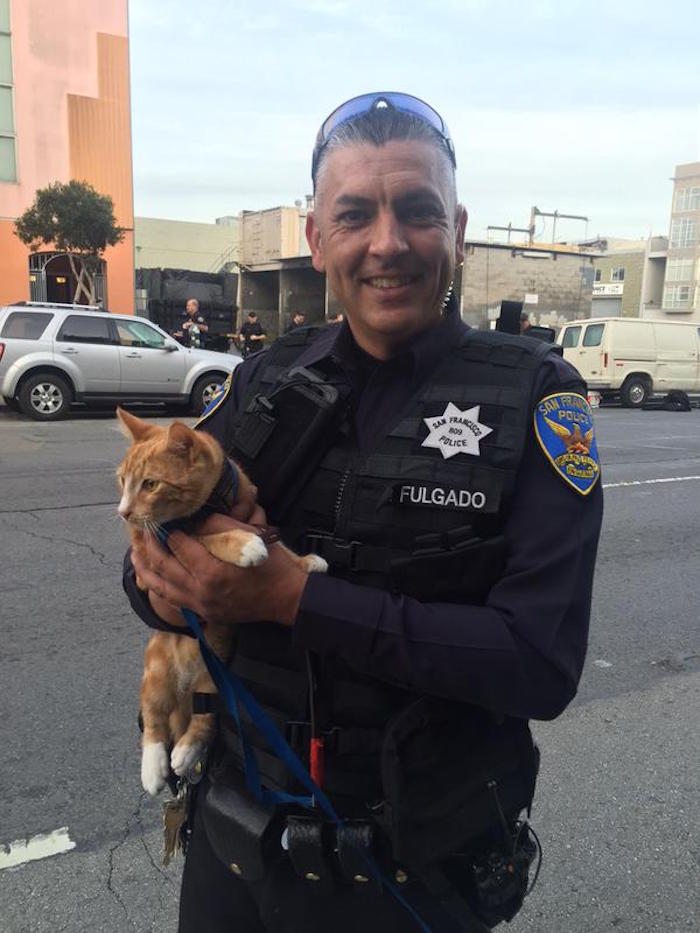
x=53, y=355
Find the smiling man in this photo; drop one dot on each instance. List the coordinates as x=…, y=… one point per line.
x=427, y=464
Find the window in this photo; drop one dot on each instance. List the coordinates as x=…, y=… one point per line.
x=136, y=334
x=684, y=232
x=676, y=297
x=597, y=276
x=618, y=274
x=26, y=325
x=80, y=328
x=8, y=159
x=679, y=270
x=687, y=199
x=593, y=335
x=571, y=335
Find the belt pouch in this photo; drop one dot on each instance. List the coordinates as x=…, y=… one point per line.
x=307, y=851
x=355, y=854
x=244, y=834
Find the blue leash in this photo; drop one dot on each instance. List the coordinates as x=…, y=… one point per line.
x=235, y=695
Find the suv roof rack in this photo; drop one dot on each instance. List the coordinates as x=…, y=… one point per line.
x=58, y=306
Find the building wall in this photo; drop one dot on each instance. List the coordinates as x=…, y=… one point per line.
x=178, y=244
x=630, y=289
x=687, y=176
x=561, y=281
x=275, y=233
x=72, y=120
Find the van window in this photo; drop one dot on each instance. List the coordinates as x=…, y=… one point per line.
x=593, y=335
x=26, y=325
x=571, y=335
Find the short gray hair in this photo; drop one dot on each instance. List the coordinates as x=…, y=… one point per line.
x=383, y=125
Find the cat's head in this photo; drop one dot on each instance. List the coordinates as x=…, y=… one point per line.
x=167, y=473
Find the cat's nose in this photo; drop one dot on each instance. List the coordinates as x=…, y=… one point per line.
x=124, y=510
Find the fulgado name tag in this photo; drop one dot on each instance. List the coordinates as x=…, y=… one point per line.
x=441, y=497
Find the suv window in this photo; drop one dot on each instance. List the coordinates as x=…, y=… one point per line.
x=571, y=335
x=593, y=335
x=79, y=328
x=27, y=325
x=138, y=334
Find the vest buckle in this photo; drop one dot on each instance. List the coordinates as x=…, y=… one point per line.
x=342, y=555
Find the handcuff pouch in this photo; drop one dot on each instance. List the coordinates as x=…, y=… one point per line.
x=307, y=848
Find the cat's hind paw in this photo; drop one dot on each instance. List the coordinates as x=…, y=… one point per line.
x=154, y=767
x=184, y=757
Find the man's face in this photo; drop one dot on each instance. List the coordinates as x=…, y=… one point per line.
x=388, y=236
x=192, y=306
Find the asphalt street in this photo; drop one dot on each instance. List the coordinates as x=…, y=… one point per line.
x=617, y=803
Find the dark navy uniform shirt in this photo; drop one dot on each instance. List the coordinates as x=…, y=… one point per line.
x=522, y=652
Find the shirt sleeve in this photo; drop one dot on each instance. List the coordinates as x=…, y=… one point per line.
x=522, y=652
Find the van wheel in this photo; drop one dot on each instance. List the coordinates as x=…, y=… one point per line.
x=45, y=397
x=635, y=392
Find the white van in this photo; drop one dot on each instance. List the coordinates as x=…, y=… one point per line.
x=632, y=358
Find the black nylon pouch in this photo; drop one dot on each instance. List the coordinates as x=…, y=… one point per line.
x=441, y=769
x=244, y=834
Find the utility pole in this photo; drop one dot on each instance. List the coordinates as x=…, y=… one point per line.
x=510, y=228
x=536, y=212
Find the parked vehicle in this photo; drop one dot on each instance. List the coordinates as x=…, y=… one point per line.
x=52, y=356
x=631, y=358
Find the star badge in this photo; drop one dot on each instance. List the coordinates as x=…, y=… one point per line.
x=456, y=432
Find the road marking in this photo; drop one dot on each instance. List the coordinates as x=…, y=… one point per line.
x=648, y=482
x=36, y=847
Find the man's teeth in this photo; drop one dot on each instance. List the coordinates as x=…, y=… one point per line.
x=395, y=282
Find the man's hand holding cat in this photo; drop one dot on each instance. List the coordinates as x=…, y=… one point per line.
x=219, y=592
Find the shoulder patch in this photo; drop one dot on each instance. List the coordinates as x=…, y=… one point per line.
x=566, y=433
x=218, y=398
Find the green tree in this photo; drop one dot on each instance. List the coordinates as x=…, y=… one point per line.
x=74, y=219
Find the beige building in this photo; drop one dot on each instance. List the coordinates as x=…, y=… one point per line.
x=181, y=244
x=681, y=294
x=273, y=234
x=629, y=277
x=554, y=281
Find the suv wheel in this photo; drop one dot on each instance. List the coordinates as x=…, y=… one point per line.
x=204, y=390
x=45, y=397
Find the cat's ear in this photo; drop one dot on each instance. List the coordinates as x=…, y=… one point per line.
x=135, y=428
x=181, y=439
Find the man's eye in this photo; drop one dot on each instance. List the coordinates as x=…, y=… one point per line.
x=353, y=217
x=421, y=212
x=149, y=484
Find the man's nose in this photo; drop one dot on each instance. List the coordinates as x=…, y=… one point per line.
x=388, y=237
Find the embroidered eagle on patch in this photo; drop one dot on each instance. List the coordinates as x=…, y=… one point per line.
x=565, y=431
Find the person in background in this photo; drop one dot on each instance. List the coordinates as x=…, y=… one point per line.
x=298, y=320
x=524, y=322
x=252, y=335
x=193, y=327
x=336, y=318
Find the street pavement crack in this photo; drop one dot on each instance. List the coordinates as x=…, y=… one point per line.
x=110, y=862
x=56, y=538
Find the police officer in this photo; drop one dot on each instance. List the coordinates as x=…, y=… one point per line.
x=450, y=478
x=193, y=327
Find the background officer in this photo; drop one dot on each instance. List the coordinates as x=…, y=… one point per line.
x=193, y=327
x=457, y=499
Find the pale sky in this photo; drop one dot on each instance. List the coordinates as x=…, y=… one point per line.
x=580, y=107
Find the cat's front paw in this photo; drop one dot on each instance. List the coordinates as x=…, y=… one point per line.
x=154, y=767
x=252, y=553
x=184, y=757
x=314, y=564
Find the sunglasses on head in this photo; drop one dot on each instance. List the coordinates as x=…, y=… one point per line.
x=366, y=103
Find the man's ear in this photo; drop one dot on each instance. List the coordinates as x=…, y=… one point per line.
x=460, y=228
x=313, y=238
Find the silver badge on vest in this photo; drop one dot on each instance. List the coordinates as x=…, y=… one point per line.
x=441, y=497
x=456, y=432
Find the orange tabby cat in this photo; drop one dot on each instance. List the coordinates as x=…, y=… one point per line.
x=169, y=473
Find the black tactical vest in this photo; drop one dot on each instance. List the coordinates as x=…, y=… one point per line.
x=401, y=518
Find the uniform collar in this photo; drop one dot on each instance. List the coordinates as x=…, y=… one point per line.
x=336, y=345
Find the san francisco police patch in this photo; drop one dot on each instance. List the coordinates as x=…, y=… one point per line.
x=565, y=430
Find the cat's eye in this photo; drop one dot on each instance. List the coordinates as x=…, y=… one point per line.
x=149, y=484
